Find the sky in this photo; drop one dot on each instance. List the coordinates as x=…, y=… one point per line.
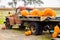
x=47, y=3
x=51, y=3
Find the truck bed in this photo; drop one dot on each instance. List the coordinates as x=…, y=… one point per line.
x=36, y=18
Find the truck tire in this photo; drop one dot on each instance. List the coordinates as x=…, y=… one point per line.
x=36, y=28
x=7, y=24
x=10, y=27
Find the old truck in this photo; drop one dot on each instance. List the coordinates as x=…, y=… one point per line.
x=34, y=23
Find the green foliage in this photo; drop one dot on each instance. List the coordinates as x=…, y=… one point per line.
x=2, y=18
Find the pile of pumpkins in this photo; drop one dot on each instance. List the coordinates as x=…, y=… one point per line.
x=56, y=31
x=37, y=12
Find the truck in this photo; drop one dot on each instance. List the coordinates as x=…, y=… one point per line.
x=34, y=23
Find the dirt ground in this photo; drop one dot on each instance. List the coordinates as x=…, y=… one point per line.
x=14, y=34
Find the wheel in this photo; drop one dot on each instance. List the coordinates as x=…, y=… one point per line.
x=36, y=28
x=7, y=24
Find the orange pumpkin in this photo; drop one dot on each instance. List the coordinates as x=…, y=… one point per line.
x=27, y=34
x=3, y=27
x=56, y=29
x=24, y=13
x=34, y=12
x=54, y=14
x=40, y=13
x=55, y=34
x=59, y=31
x=49, y=12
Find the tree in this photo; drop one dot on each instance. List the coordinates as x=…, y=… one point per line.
x=38, y=2
x=13, y=3
x=26, y=2
x=10, y=4
x=0, y=0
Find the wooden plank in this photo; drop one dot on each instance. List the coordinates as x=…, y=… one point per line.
x=34, y=18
